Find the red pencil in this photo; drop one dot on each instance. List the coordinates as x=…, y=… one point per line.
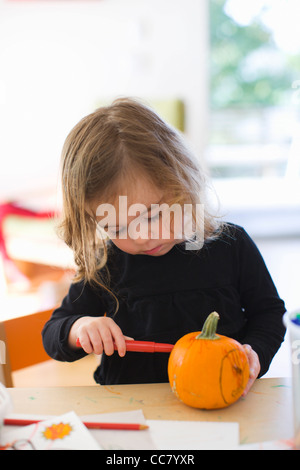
x=142, y=346
x=91, y=425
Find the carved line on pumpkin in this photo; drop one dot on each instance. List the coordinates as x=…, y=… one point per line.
x=239, y=370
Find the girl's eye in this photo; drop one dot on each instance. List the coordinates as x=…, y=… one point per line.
x=117, y=231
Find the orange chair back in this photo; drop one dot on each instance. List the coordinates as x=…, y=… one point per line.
x=23, y=340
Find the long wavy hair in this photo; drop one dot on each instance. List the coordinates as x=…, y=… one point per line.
x=105, y=152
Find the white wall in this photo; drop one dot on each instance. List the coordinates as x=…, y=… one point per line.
x=58, y=59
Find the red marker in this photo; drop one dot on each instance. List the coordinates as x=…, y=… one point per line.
x=89, y=425
x=142, y=346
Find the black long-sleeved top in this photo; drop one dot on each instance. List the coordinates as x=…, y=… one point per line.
x=162, y=298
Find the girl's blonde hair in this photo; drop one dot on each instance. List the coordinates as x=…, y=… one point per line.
x=104, y=152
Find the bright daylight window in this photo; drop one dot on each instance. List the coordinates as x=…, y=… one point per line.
x=255, y=88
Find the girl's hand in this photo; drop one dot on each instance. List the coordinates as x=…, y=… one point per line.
x=254, y=367
x=97, y=335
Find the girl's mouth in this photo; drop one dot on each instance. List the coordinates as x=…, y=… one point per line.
x=153, y=251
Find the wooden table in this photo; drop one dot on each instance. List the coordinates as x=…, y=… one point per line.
x=264, y=414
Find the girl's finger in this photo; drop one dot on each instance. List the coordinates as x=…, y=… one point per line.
x=119, y=339
x=254, y=367
x=96, y=342
x=107, y=341
x=85, y=343
x=249, y=351
x=121, y=346
x=248, y=386
x=120, y=342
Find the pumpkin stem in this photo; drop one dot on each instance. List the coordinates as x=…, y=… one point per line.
x=210, y=327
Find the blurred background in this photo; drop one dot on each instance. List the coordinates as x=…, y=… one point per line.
x=224, y=72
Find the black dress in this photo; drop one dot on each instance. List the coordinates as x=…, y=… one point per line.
x=163, y=298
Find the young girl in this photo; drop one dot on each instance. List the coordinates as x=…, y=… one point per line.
x=140, y=274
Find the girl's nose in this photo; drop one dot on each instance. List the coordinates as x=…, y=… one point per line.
x=141, y=240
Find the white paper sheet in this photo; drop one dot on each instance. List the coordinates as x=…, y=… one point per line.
x=283, y=444
x=65, y=432
x=121, y=440
x=161, y=435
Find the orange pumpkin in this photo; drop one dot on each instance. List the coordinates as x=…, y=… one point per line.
x=207, y=370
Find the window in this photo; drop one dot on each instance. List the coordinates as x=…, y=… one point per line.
x=254, y=88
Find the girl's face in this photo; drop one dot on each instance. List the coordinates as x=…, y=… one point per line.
x=135, y=224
